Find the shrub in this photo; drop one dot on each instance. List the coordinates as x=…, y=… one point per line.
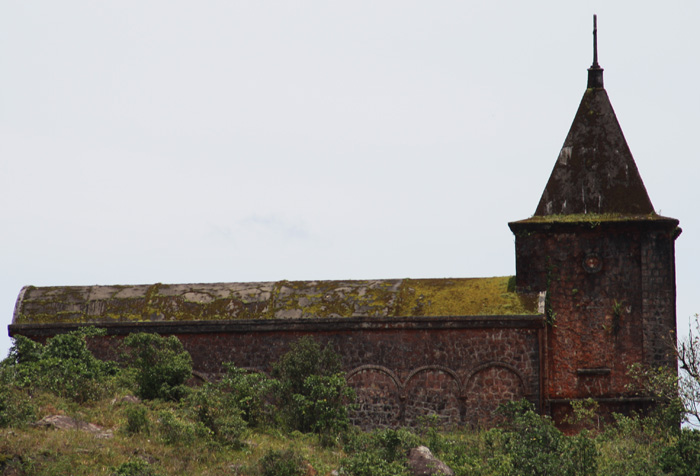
x=250, y=392
x=312, y=392
x=371, y=464
x=472, y=452
x=672, y=401
x=23, y=355
x=174, y=429
x=304, y=358
x=136, y=467
x=15, y=409
x=382, y=452
x=630, y=446
x=282, y=463
x=682, y=456
x=395, y=444
x=321, y=407
x=218, y=412
x=161, y=365
x=64, y=366
x=536, y=447
x=388, y=443
x=581, y=454
x=137, y=420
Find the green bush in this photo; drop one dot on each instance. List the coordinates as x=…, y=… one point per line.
x=394, y=444
x=682, y=456
x=321, y=407
x=15, y=408
x=174, y=429
x=218, y=411
x=161, y=365
x=137, y=420
x=312, y=392
x=629, y=446
x=673, y=403
x=472, y=453
x=581, y=454
x=389, y=444
x=250, y=392
x=381, y=452
x=22, y=360
x=371, y=464
x=282, y=463
x=64, y=366
x=305, y=358
x=136, y=467
x=536, y=447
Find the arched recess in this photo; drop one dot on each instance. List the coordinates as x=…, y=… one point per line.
x=487, y=386
x=378, y=397
x=432, y=390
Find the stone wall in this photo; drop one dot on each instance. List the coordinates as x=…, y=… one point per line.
x=610, y=302
x=458, y=369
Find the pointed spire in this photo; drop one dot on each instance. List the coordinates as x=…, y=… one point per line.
x=595, y=72
x=595, y=172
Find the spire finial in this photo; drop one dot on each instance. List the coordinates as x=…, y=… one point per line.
x=595, y=41
x=595, y=72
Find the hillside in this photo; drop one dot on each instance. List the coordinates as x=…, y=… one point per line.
x=64, y=412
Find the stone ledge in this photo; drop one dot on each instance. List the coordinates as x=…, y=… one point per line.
x=272, y=325
x=593, y=372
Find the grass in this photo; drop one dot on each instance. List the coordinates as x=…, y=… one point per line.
x=48, y=451
x=628, y=448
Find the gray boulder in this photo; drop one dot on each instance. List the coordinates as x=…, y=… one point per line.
x=422, y=463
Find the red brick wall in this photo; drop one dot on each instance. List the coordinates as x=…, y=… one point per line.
x=610, y=298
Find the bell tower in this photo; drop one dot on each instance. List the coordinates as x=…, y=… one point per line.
x=606, y=261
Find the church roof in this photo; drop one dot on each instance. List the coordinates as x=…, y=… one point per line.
x=272, y=300
x=595, y=172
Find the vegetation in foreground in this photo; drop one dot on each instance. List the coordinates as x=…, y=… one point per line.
x=294, y=422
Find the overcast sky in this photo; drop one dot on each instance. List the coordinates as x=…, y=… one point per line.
x=209, y=141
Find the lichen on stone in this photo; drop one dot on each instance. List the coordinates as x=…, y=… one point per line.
x=589, y=218
x=279, y=300
x=463, y=297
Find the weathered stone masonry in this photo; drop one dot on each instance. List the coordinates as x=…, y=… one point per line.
x=459, y=369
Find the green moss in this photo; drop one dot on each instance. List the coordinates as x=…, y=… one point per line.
x=591, y=218
x=283, y=300
x=463, y=297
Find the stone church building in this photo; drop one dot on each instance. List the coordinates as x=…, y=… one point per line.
x=594, y=292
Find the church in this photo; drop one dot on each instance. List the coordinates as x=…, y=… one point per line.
x=593, y=293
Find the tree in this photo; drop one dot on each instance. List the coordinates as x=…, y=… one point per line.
x=688, y=351
x=161, y=365
x=312, y=392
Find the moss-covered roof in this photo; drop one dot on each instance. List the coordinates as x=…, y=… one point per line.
x=593, y=218
x=272, y=300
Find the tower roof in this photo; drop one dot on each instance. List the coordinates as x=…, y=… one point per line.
x=595, y=172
